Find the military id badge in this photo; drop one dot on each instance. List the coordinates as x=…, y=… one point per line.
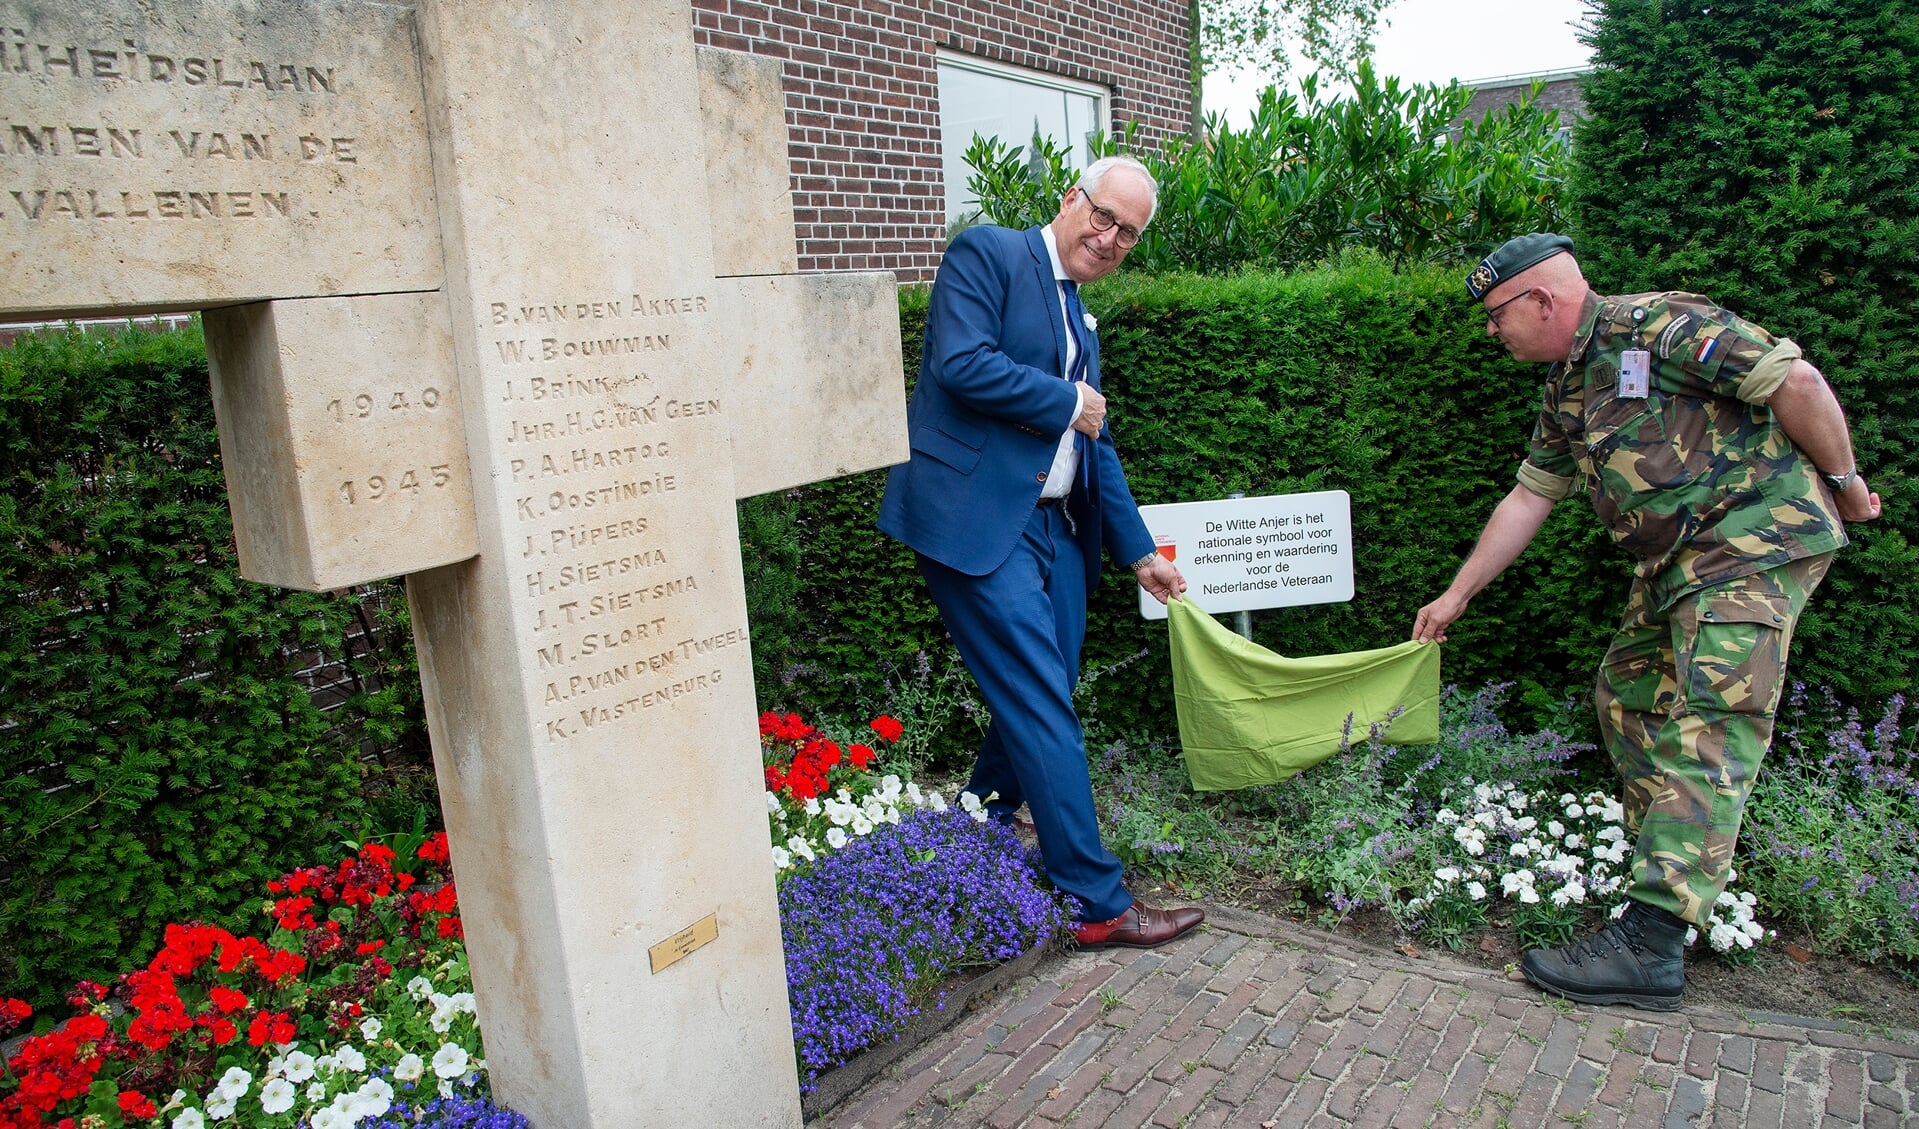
x=1635, y=374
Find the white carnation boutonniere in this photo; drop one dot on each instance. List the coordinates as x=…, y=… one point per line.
x=1092, y=323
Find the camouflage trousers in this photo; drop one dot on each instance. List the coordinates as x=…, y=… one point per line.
x=1686, y=699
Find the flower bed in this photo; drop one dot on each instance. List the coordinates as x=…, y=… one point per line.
x=357, y=1009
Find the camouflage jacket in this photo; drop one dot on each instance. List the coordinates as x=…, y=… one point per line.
x=1696, y=481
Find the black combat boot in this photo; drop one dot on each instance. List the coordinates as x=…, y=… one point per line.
x=1637, y=960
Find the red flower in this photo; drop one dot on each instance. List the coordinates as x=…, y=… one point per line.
x=220, y=1029
x=13, y=1013
x=228, y=1000
x=270, y=1027
x=435, y=849
x=450, y=927
x=888, y=728
x=87, y=993
x=133, y=1103
x=860, y=755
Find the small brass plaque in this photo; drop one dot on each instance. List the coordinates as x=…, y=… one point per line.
x=685, y=941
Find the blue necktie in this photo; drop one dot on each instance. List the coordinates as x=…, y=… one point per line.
x=1075, y=323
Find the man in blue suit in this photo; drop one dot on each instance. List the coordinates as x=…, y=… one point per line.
x=1012, y=493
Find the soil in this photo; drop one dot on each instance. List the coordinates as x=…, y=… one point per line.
x=1789, y=978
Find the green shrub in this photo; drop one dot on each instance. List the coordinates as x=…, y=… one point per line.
x=1763, y=155
x=159, y=759
x=1354, y=377
x=1386, y=169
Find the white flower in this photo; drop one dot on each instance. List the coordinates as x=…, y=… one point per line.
x=1721, y=938
x=234, y=1083
x=1555, y=828
x=446, y=1089
x=330, y=1118
x=409, y=1068
x=1520, y=849
x=861, y=825
x=935, y=801
x=1516, y=881
x=782, y=858
x=189, y=1119
x=1446, y=816
x=1569, y=893
x=801, y=847
x=419, y=987
x=277, y=1096
x=813, y=806
x=914, y=796
x=1447, y=874
x=220, y=1108
x=773, y=804
x=450, y=1060
x=375, y=1097
x=970, y=802
x=316, y=1092
x=370, y=1028
x=1091, y=323
x=835, y=837
x=1476, y=891
x=1574, y=842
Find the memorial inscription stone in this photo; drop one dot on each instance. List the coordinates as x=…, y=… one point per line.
x=500, y=300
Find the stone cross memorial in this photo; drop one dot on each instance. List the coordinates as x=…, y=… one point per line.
x=500, y=296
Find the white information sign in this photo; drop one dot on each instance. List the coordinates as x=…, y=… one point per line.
x=1238, y=554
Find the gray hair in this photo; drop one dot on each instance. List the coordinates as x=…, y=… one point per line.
x=1091, y=177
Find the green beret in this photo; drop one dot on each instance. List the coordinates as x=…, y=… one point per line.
x=1513, y=256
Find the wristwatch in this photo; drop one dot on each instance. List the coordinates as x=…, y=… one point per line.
x=1839, y=482
x=1144, y=561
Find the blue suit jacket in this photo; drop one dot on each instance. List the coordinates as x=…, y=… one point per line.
x=986, y=416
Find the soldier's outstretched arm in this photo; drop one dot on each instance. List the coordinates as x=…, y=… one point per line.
x=1810, y=415
x=1511, y=528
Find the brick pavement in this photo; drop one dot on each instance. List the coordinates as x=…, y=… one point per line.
x=1254, y=1022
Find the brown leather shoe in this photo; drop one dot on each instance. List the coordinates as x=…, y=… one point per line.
x=1140, y=927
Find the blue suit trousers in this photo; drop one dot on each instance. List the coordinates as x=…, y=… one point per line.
x=1020, y=628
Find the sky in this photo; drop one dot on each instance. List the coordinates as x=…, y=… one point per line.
x=1436, y=40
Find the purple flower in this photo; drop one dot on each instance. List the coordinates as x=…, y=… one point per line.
x=450, y=1113
x=872, y=929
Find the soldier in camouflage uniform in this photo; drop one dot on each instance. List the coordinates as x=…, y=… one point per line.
x=1720, y=459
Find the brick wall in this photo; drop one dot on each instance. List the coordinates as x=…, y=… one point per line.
x=862, y=100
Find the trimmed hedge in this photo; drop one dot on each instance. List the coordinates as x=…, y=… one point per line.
x=1764, y=155
x=159, y=758
x=1354, y=377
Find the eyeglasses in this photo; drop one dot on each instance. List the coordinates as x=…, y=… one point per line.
x=1493, y=314
x=1105, y=220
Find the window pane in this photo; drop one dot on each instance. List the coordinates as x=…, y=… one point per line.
x=1002, y=105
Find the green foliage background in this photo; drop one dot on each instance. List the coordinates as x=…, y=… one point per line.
x=1764, y=154
x=1390, y=169
x=158, y=758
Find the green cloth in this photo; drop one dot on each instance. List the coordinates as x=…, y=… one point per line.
x=1248, y=716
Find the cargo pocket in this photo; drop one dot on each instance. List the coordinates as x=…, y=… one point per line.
x=1739, y=655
